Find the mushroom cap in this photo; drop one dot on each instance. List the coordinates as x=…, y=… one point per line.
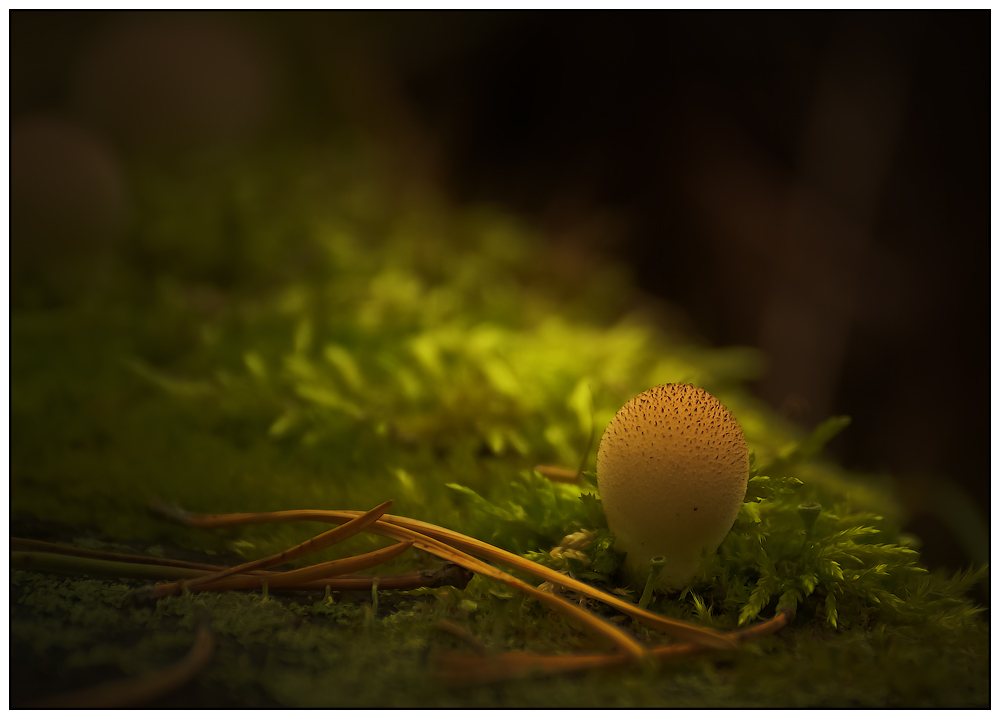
x=672, y=470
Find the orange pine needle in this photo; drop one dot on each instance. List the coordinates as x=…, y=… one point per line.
x=429, y=544
x=457, y=668
x=317, y=543
x=295, y=577
x=447, y=575
x=144, y=689
x=671, y=627
x=558, y=474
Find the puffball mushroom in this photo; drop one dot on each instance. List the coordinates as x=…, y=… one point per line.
x=672, y=470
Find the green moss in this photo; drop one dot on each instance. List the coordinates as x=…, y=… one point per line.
x=276, y=335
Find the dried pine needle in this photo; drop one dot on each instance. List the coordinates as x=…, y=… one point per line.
x=19, y=544
x=74, y=565
x=456, y=668
x=429, y=544
x=672, y=627
x=315, y=544
x=295, y=577
x=470, y=640
x=558, y=474
x=62, y=559
x=145, y=689
x=341, y=566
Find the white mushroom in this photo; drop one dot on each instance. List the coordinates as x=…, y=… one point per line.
x=672, y=470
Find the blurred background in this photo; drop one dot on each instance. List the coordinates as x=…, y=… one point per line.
x=812, y=184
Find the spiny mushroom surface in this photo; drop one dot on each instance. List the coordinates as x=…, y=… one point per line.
x=672, y=469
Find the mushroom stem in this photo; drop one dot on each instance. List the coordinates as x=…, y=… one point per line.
x=655, y=567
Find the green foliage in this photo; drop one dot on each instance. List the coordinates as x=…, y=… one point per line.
x=538, y=512
x=285, y=332
x=799, y=552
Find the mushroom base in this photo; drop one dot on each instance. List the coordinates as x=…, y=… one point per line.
x=675, y=573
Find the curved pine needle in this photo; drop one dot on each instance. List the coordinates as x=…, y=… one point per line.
x=624, y=641
x=471, y=640
x=558, y=474
x=460, y=668
x=20, y=544
x=74, y=561
x=671, y=627
x=429, y=544
x=74, y=565
x=457, y=668
x=569, y=476
x=448, y=575
x=296, y=577
x=340, y=566
x=142, y=690
x=317, y=543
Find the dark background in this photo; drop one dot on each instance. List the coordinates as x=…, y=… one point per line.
x=814, y=184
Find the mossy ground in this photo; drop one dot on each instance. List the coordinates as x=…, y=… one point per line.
x=274, y=335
